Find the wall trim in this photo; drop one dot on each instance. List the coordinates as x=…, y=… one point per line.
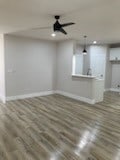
x=112, y=89
x=45, y=93
x=83, y=99
x=107, y=89
x=3, y=99
x=115, y=90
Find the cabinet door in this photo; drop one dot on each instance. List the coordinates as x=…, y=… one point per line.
x=114, y=54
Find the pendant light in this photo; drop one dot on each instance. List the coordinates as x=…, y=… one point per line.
x=84, y=50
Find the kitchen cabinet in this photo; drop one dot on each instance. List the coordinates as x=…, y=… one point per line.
x=115, y=54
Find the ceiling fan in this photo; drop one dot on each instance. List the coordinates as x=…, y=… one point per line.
x=57, y=26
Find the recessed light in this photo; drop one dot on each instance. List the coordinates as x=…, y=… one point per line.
x=53, y=34
x=94, y=42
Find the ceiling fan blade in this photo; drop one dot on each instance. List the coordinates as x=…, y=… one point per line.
x=38, y=28
x=67, y=24
x=63, y=31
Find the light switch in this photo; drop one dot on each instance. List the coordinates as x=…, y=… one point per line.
x=11, y=71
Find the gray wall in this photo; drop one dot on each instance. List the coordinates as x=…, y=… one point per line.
x=78, y=59
x=33, y=66
x=30, y=65
x=115, y=76
x=82, y=61
x=77, y=86
x=108, y=73
x=112, y=79
x=2, y=69
x=98, y=60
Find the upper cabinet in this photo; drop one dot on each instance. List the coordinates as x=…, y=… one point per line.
x=115, y=54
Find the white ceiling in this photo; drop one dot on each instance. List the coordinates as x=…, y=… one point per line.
x=98, y=19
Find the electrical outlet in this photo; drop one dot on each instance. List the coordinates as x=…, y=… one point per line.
x=11, y=71
x=118, y=86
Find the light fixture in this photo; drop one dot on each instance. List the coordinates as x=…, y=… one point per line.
x=53, y=34
x=94, y=42
x=84, y=50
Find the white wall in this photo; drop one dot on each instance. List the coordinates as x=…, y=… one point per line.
x=78, y=60
x=2, y=69
x=108, y=72
x=115, y=76
x=115, y=68
x=95, y=60
x=82, y=62
x=65, y=82
x=30, y=65
x=34, y=66
x=98, y=60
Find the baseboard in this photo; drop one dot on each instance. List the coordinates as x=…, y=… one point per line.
x=83, y=99
x=45, y=93
x=115, y=90
x=112, y=89
x=2, y=98
x=107, y=89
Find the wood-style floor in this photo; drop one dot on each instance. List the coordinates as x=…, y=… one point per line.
x=58, y=128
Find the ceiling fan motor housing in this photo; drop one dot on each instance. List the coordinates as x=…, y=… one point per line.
x=57, y=17
x=57, y=26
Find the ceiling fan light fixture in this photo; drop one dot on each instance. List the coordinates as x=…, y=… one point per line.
x=53, y=34
x=94, y=42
